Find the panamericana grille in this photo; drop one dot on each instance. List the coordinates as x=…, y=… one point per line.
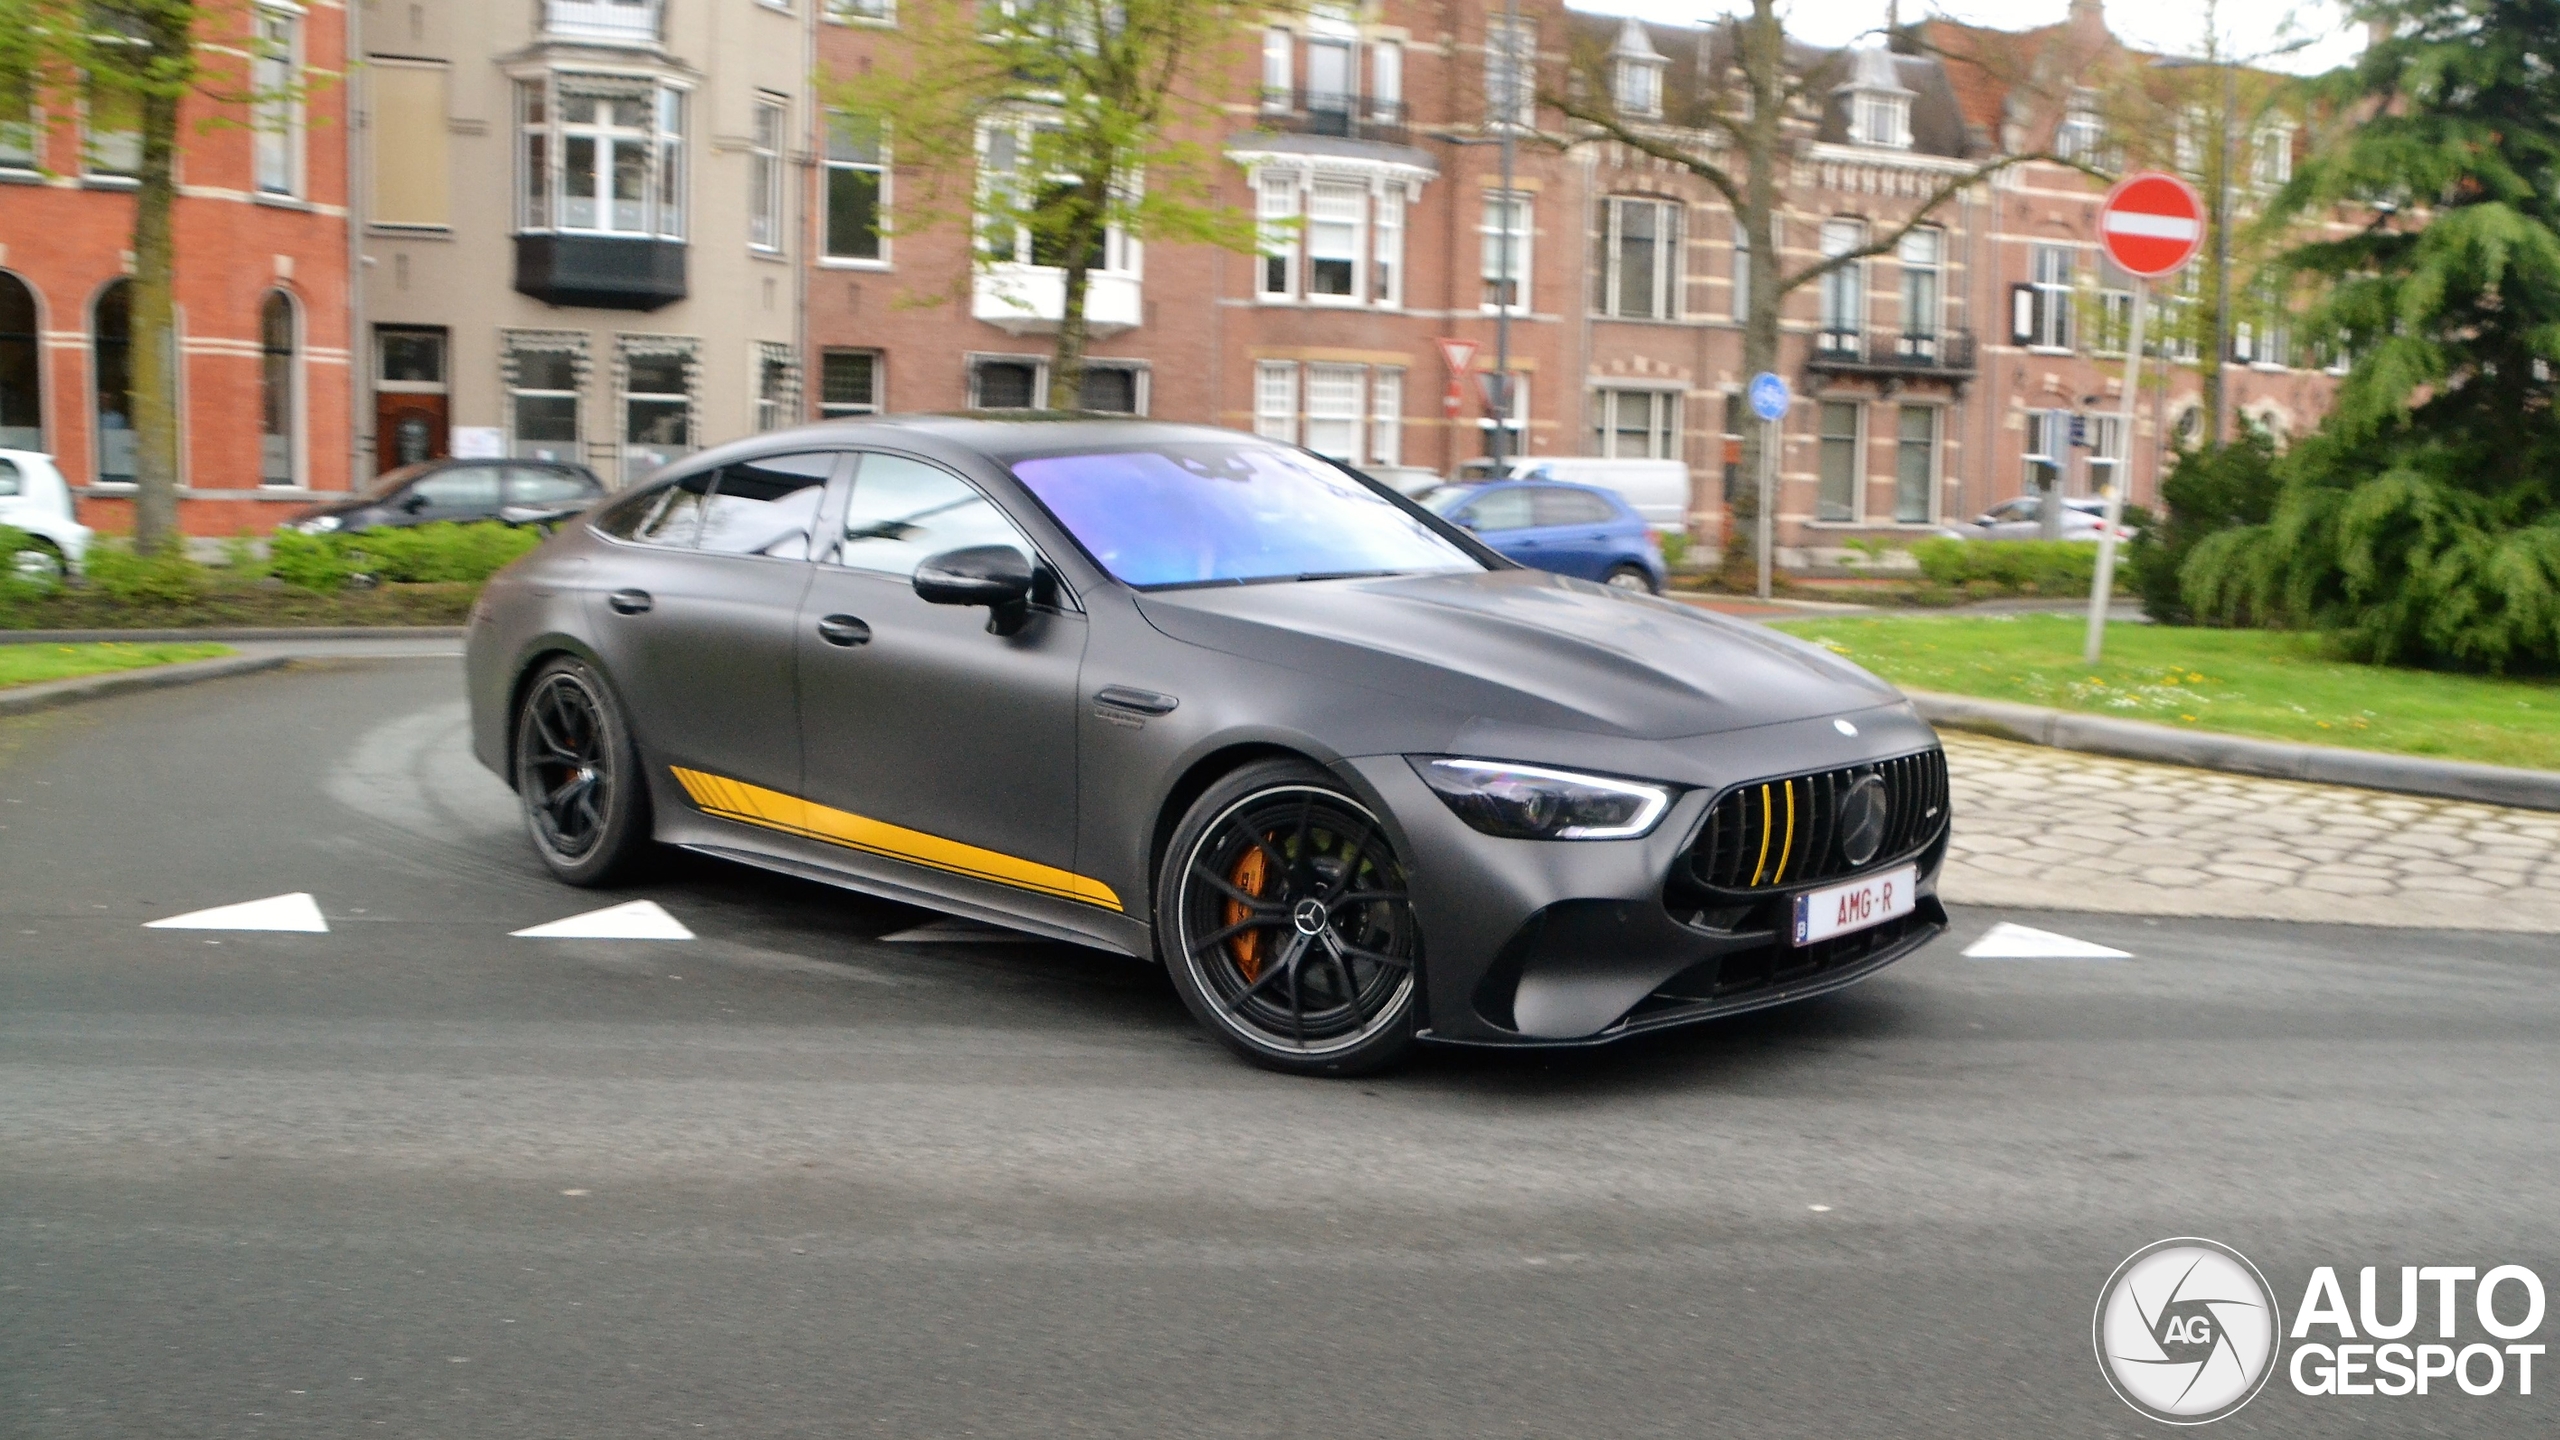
x=1776, y=833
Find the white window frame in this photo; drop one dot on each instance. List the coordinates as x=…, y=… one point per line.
x=512, y=344
x=1515, y=442
x=1119, y=252
x=1279, y=69
x=2052, y=273
x=1387, y=228
x=1275, y=401
x=1881, y=119
x=665, y=191
x=25, y=142
x=296, y=418
x=1916, y=266
x=2107, y=454
x=1668, y=248
x=687, y=353
x=1510, y=72
x=276, y=133
x=1386, y=415
x=1662, y=422
x=829, y=162
x=1822, y=440
x=2047, y=443
x=765, y=208
x=2271, y=156
x=1636, y=88
x=861, y=12
x=1934, y=481
x=1337, y=213
x=1519, y=215
x=1844, y=290
x=1276, y=208
x=1386, y=81
x=838, y=409
x=1322, y=419
x=775, y=407
x=2082, y=136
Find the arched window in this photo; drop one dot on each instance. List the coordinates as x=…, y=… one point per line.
x=111, y=348
x=21, y=371
x=275, y=390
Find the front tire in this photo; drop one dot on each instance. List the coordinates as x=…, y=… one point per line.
x=1282, y=916
x=586, y=805
x=1633, y=577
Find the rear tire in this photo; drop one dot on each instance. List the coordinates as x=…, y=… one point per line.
x=36, y=559
x=1281, y=915
x=1633, y=577
x=586, y=804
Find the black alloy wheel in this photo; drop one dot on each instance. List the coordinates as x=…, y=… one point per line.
x=1284, y=921
x=577, y=776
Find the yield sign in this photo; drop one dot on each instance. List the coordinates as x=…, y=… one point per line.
x=1461, y=355
x=2151, y=224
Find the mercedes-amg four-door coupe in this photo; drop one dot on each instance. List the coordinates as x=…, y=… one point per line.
x=1208, y=700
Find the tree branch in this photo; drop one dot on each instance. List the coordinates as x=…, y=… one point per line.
x=1608, y=123
x=1788, y=284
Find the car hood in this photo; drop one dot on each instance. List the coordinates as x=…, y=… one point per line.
x=1528, y=648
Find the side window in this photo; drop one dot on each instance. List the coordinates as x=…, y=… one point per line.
x=10, y=484
x=667, y=515
x=541, y=485
x=767, y=506
x=1501, y=510
x=904, y=510
x=1571, y=507
x=472, y=488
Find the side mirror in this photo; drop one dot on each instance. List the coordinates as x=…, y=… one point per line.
x=996, y=576
x=412, y=503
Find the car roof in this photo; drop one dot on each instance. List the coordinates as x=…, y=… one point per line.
x=1000, y=436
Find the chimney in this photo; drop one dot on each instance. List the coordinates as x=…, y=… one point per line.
x=2089, y=16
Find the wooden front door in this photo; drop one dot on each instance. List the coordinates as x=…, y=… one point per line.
x=407, y=429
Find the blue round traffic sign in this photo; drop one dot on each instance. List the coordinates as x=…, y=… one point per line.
x=1769, y=397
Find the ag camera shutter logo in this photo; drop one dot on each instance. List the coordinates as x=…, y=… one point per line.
x=2186, y=1331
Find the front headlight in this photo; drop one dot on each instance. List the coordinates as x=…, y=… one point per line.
x=1530, y=802
x=320, y=524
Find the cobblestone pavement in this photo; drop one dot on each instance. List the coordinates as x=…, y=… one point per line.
x=2054, y=829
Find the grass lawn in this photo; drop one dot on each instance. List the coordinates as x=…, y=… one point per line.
x=27, y=664
x=2240, y=682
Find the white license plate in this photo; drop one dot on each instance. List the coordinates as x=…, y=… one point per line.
x=1843, y=909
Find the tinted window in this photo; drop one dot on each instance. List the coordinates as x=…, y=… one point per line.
x=667, y=515
x=9, y=483
x=1212, y=511
x=904, y=510
x=767, y=506
x=1571, y=507
x=1501, y=510
x=463, y=487
x=538, y=486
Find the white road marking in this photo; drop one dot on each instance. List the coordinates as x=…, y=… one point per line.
x=296, y=912
x=631, y=920
x=2005, y=941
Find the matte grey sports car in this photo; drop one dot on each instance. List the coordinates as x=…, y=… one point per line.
x=1196, y=697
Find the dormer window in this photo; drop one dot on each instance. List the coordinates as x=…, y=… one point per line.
x=2083, y=136
x=1635, y=73
x=1879, y=103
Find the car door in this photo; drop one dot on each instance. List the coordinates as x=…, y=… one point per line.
x=1501, y=517
x=935, y=741
x=695, y=620
x=461, y=492
x=1574, y=528
x=2019, y=519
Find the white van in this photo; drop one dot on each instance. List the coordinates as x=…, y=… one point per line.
x=1657, y=489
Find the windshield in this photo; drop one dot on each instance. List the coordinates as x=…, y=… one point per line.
x=1218, y=513
x=389, y=481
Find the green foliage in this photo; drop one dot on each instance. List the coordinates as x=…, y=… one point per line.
x=2009, y=567
x=18, y=590
x=2421, y=523
x=1675, y=548
x=240, y=557
x=163, y=577
x=429, y=554
x=2210, y=491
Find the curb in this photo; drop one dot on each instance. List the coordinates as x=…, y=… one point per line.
x=2275, y=759
x=26, y=699
x=232, y=633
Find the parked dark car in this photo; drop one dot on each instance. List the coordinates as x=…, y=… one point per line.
x=458, y=490
x=1578, y=530
x=1355, y=779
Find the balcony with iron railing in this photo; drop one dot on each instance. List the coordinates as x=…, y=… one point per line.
x=602, y=22
x=1335, y=113
x=1943, y=354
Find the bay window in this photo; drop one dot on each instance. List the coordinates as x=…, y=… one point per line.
x=601, y=155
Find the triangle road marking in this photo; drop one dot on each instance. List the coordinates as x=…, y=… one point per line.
x=294, y=912
x=631, y=920
x=2005, y=941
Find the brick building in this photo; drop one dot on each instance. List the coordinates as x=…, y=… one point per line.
x=261, y=285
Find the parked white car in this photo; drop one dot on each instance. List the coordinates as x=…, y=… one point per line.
x=1657, y=489
x=34, y=499
x=2023, y=519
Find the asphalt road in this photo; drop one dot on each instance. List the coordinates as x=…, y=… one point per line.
x=414, y=1177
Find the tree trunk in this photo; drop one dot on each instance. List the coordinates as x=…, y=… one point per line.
x=154, y=330
x=1764, y=70
x=1085, y=238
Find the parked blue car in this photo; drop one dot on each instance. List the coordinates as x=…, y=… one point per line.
x=1578, y=530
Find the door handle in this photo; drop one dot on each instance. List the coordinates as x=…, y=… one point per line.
x=629, y=602
x=844, y=630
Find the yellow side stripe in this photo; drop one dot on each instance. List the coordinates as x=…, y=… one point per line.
x=772, y=810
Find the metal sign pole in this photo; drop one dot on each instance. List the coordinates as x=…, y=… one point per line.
x=2122, y=473
x=1768, y=496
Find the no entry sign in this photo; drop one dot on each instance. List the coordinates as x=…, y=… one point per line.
x=2152, y=224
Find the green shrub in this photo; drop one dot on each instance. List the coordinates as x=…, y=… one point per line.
x=18, y=591
x=308, y=562
x=420, y=554
x=2009, y=567
x=240, y=557
x=163, y=577
x=2207, y=493
x=1675, y=549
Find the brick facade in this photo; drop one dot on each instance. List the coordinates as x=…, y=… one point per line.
x=260, y=288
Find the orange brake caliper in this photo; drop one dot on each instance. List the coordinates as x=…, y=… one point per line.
x=1248, y=877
